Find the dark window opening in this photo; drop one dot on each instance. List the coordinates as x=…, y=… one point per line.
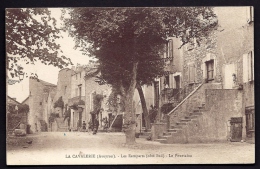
x=79, y=90
x=177, y=81
x=210, y=70
x=40, y=103
x=167, y=81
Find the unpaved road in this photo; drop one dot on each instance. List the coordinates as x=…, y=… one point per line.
x=108, y=148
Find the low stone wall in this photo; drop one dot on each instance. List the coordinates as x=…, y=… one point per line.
x=213, y=124
x=157, y=129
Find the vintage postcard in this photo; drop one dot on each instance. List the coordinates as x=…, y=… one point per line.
x=160, y=85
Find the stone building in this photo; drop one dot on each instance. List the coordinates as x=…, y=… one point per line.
x=215, y=99
x=39, y=93
x=63, y=89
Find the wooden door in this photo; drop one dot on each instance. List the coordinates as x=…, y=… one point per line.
x=236, y=129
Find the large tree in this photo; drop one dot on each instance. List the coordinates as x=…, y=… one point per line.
x=125, y=40
x=30, y=37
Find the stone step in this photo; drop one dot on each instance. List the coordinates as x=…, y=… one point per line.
x=196, y=110
x=164, y=137
x=161, y=140
x=196, y=113
x=174, y=130
x=181, y=123
x=167, y=133
x=185, y=120
x=175, y=127
x=194, y=117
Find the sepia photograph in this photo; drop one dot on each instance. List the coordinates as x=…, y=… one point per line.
x=130, y=85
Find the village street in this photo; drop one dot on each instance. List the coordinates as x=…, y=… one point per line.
x=109, y=148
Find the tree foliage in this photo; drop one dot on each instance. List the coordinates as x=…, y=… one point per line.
x=59, y=103
x=125, y=40
x=30, y=37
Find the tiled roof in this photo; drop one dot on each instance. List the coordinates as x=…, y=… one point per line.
x=8, y=97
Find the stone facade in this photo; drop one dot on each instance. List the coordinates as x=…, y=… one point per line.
x=225, y=58
x=63, y=88
x=92, y=87
x=37, y=99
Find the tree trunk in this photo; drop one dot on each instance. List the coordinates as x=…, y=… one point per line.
x=144, y=107
x=129, y=117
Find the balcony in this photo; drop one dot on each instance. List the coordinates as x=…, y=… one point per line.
x=79, y=100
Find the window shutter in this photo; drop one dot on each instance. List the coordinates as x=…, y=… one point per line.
x=191, y=73
x=249, y=66
x=170, y=49
x=245, y=68
x=252, y=13
x=195, y=74
x=253, y=66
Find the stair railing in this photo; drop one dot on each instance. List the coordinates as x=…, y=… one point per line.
x=185, y=94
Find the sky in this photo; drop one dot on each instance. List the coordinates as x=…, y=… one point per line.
x=20, y=91
x=229, y=18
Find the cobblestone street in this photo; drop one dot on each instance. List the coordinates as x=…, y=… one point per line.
x=109, y=148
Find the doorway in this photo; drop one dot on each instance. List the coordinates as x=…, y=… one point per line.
x=177, y=81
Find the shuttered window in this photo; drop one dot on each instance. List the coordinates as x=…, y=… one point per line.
x=248, y=67
x=170, y=47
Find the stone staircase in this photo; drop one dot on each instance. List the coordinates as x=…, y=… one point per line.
x=175, y=133
x=62, y=125
x=145, y=133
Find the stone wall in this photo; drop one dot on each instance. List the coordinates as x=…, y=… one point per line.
x=194, y=54
x=214, y=124
x=36, y=99
x=221, y=106
x=64, y=86
x=90, y=87
x=191, y=103
x=231, y=46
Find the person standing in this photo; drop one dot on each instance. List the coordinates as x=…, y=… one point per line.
x=84, y=126
x=95, y=126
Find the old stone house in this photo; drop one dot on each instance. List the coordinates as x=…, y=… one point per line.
x=39, y=104
x=210, y=90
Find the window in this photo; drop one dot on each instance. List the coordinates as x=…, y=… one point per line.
x=76, y=77
x=170, y=48
x=191, y=73
x=80, y=75
x=250, y=121
x=65, y=88
x=210, y=70
x=167, y=82
x=248, y=67
x=177, y=82
x=40, y=103
x=79, y=90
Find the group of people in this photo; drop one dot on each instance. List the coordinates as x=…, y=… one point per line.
x=93, y=125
